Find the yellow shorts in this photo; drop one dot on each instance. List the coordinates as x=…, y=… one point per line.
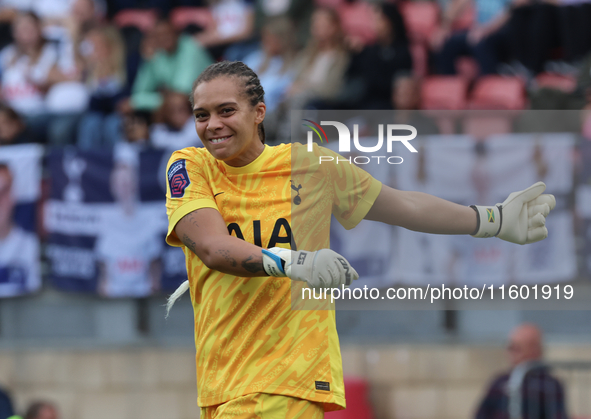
x=264, y=406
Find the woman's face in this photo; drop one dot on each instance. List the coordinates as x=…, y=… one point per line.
x=323, y=28
x=26, y=32
x=226, y=122
x=271, y=43
x=99, y=48
x=9, y=128
x=83, y=10
x=176, y=110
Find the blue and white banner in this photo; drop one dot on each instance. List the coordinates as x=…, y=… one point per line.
x=106, y=220
x=20, y=191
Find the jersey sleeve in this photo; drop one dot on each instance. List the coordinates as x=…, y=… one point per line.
x=355, y=190
x=187, y=190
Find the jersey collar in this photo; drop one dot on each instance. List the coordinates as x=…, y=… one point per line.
x=254, y=166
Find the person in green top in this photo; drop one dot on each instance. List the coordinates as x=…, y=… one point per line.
x=177, y=62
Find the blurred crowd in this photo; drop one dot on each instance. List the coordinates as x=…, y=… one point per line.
x=98, y=72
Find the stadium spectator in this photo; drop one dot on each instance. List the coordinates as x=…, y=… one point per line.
x=533, y=30
x=42, y=410
x=486, y=41
x=538, y=393
x=298, y=11
x=322, y=64
x=12, y=127
x=6, y=409
x=231, y=31
x=68, y=96
x=83, y=17
x=136, y=127
x=177, y=129
x=167, y=69
x=378, y=64
x=25, y=66
x=104, y=59
x=274, y=61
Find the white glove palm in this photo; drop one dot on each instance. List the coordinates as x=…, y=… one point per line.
x=320, y=269
x=520, y=219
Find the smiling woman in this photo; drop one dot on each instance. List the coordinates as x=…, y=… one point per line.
x=238, y=207
x=231, y=131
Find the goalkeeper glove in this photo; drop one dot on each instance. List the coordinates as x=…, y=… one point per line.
x=323, y=268
x=520, y=219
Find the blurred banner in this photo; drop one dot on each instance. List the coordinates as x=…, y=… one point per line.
x=466, y=171
x=106, y=223
x=20, y=190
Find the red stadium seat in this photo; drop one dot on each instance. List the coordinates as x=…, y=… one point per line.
x=557, y=81
x=140, y=18
x=421, y=19
x=357, y=21
x=444, y=93
x=497, y=92
x=356, y=392
x=181, y=17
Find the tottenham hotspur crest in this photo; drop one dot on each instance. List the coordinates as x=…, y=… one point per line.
x=297, y=199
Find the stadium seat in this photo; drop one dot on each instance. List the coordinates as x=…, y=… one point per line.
x=444, y=93
x=356, y=392
x=181, y=17
x=497, y=92
x=143, y=19
x=357, y=21
x=421, y=19
x=557, y=81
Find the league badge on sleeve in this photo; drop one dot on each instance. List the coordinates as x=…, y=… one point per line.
x=178, y=179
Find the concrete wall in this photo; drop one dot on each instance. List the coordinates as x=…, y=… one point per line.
x=406, y=381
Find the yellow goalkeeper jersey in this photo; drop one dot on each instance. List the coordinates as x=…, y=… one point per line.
x=248, y=337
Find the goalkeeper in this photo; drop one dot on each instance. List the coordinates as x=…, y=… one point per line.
x=230, y=205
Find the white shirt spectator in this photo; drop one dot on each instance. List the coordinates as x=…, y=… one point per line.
x=20, y=78
x=230, y=16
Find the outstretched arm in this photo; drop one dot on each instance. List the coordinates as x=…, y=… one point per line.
x=422, y=212
x=520, y=219
x=205, y=233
